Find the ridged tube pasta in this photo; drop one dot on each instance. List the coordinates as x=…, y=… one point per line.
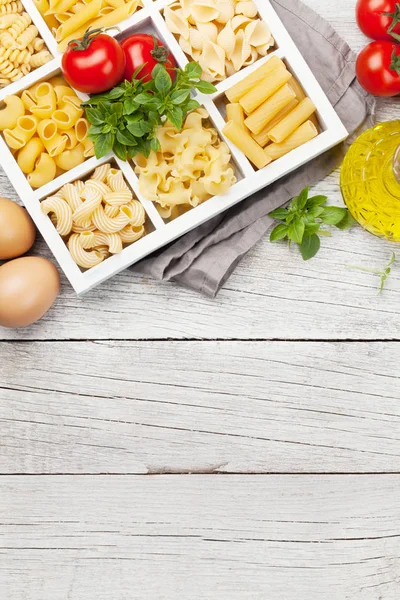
x=112, y=224
x=29, y=154
x=303, y=134
x=14, y=109
x=69, y=159
x=118, y=198
x=130, y=234
x=138, y=213
x=44, y=172
x=70, y=194
x=53, y=141
x=84, y=258
x=20, y=135
x=246, y=144
x=87, y=240
x=292, y=121
x=264, y=90
x=262, y=138
x=271, y=107
x=62, y=211
x=89, y=12
x=251, y=81
x=111, y=240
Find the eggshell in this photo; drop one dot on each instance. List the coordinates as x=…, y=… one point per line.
x=17, y=231
x=28, y=288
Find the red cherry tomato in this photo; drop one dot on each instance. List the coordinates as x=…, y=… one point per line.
x=378, y=69
x=93, y=64
x=144, y=50
x=379, y=19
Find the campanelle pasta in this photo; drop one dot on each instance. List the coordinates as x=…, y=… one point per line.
x=47, y=129
x=222, y=35
x=79, y=213
x=21, y=48
x=192, y=166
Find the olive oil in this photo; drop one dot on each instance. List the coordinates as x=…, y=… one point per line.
x=369, y=180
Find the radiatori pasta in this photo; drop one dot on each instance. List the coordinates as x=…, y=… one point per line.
x=222, y=35
x=79, y=213
x=21, y=48
x=69, y=19
x=46, y=129
x=192, y=166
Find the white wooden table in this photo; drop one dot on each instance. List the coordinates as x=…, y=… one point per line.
x=158, y=445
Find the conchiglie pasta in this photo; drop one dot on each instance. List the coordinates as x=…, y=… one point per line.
x=224, y=36
x=79, y=213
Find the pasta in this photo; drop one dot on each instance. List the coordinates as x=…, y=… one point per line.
x=78, y=212
x=222, y=35
x=69, y=19
x=280, y=117
x=21, y=50
x=192, y=166
x=46, y=127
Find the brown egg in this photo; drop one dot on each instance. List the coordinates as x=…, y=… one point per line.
x=28, y=287
x=17, y=231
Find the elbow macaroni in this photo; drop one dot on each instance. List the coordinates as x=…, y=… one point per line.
x=47, y=130
x=78, y=212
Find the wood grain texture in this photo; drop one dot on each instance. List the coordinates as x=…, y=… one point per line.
x=272, y=295
x=196, y=537
x=137, y=407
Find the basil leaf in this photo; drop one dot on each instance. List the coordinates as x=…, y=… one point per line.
x=94, y=116
x=332, y=215
x=311, y=228
x=296, y=231
x=302, y=198
x=194, y=70
x=316, y=201
x=175, y=117
x=103, y=144
x=94, y=131
x=316, y=211
x=205, y=87
x=310, y=246
x=120, y=150
x=155, y=145
x=129, y=106
x=347, y=222
x=279, y=214
x=125, y=137
x=138, y=129
x=143, y=98
x=180, y=96
x=192, y=105
x=279, y=232
x=163, y=81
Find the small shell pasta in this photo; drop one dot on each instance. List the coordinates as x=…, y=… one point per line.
x=97, y=217
x=222, y=35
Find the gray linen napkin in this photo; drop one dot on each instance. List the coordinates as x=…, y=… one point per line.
x=204, y=258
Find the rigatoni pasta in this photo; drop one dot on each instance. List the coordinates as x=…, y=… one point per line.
x=79, y=213
x=279, y=115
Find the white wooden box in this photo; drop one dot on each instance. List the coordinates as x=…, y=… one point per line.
x=150, y=18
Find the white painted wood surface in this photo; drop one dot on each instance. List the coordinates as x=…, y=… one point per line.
x=105, y=409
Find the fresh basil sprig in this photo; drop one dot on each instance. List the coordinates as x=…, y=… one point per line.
x=302, y=220
x=126, y=118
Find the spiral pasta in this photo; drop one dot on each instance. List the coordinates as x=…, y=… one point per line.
x=192, y=166
x=222, y=35
x=79, y=212
x=21, y=48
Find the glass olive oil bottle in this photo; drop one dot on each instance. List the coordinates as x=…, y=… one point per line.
x=370, y=180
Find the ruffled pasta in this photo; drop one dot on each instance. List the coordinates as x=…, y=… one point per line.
x=97, y=217
x=222, y=35
x=192, y=166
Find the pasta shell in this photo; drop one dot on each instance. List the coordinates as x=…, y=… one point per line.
x=226, y=39
x=204, y=11
x=257, y=33
x=212, y=59
x=230, y=69
x=176, y=22
x=248, y=9
x=209, y=31
x=252, y=58
x=188, y=49
x=196, y=39
x=263, y=50
x=226, y=11
x=241, y=52
x=186, y=6
x=240, y=22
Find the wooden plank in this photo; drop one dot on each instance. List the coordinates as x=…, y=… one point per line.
x=151, y=407
x=214, y=537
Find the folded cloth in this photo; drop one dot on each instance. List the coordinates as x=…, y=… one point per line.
x=204, y=258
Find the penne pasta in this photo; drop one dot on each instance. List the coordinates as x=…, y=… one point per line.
x=262, y=138
x=87, y=13
x=292, y=121
x=303, y=134
x=246, y=144
x=243, y=87
x=271, y=107
x=264, y=90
